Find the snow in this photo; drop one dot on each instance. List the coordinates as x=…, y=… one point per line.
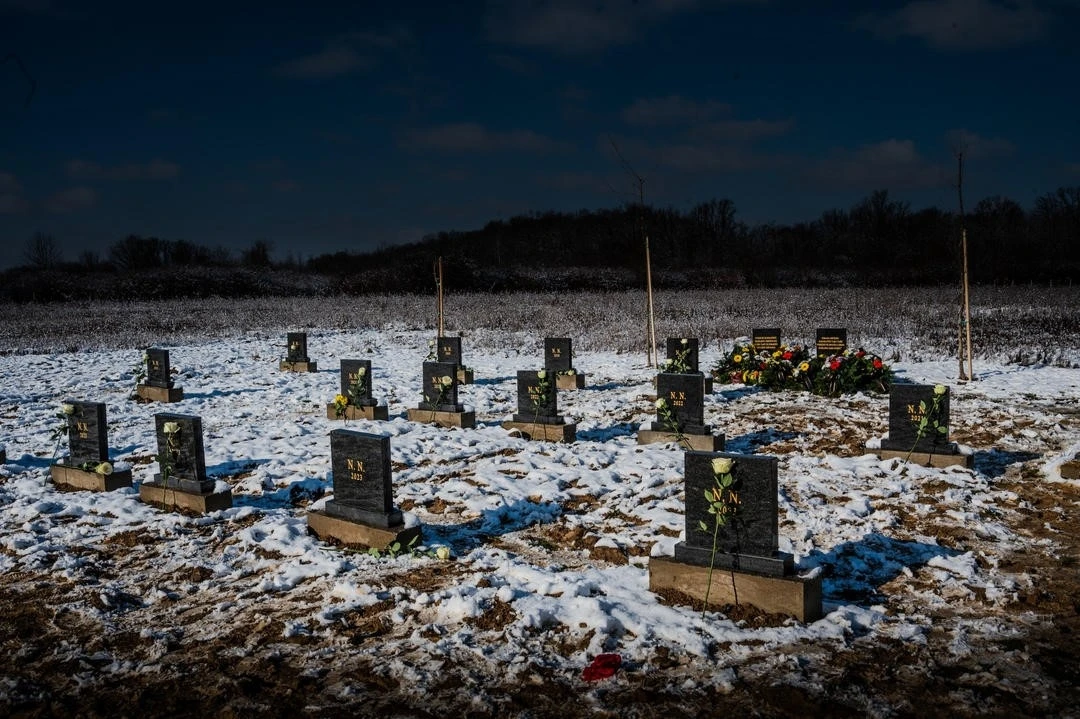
x=266, y=438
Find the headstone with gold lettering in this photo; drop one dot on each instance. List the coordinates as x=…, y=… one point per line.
x=439, y=403
x=765, y=339
x=87, y=465
x=448, y=349
x=362, y=510
x=538, y=409
x=919, y=427
x=559, y=360
x=831, y=341
x=682, y=358
x=296, y=354
x=680, y=414
x=158, y=386
x=354, y=401
x=182, y=482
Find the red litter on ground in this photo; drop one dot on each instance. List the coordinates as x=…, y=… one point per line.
x=602, y=667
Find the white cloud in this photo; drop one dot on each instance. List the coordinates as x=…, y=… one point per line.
x=891, y=164
x=472, y=137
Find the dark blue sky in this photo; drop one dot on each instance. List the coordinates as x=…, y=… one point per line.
x=329, y=127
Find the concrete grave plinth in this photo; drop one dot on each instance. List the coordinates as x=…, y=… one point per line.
x=150, y=393
x=327, y=527
x=546, y=432
x=76, y=478
x=287, y=366
x=570, y=381
x=371, y=412
x=696, y=442
x=795, y=596
x=170, y=499
x=465, y=420
x=929, y=459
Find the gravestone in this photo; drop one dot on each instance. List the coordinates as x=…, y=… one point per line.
x=680, y=413
x=182, y=482
x=907, y=406
x=538, y=409
x=158, y=373
x=751, y=569
x=831, y=341
x=296, y=354
x=362, y=510
x=765, y=340
x=439, y=402
x=559, y=360
x=356, y=389
x=684, y=348
x=158, y=386
x=88, y=449
x=448, y=349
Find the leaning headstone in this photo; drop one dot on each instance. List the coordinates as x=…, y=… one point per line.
x=748, y=566
x=182, y=482
x=909, y=404
x=765, y=340
x=354, y=401
x=831, y=341
x=439, y=404
x=680, y=414
x=559, y=360
x=682, y=358
x=448, y=349
x=296, y=354
x=158, y=386
x=362, y=511
x=538, y=409
x=87, y=465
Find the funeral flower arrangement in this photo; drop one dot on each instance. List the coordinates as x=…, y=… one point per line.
x=795, y=368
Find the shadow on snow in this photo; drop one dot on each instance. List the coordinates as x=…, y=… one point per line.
x=992, y=463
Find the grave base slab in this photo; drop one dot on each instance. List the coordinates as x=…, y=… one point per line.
x=696, y=442
x=1071, y=469
x=546, y=432
x=465, y=420
x=355, y=534
x=927, y=459
x=570, y=381
x=286, y=366
x=795, y=596
x=167, y=498
x=465, y=376
x=376, y=412
x=75, y=478
x=159, y=394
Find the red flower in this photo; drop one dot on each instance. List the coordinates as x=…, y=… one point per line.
x=835, y=364
x=860, y=354
x=761, y=365
x=787, y=355
x=602, y=667
x=877, y=363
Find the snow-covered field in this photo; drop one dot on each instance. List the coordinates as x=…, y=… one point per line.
x=944, y=588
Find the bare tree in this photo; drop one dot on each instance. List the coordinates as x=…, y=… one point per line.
x=42, y=252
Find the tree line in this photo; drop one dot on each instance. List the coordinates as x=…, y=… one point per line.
x=877, y=241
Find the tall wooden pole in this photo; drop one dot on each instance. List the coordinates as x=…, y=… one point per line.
x=964, y=338
x=650, y=324
x=439, y=294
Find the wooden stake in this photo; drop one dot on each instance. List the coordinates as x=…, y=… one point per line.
x=963, y=340
x=439, y=294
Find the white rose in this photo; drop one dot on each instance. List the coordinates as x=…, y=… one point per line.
x=939, y=389
x=67, y=408
x=446, y=380
x=170, y=428
x=541, y=374
x=104, y=468
x=684, y=341
x=661, y=403
x=361, y=372
x=721, y=465
x=443, y=553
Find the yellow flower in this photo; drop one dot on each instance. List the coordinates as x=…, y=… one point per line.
x=804, y=367
x=721, y=465
x=777, y=354
x=737, y=359
x=341, y=400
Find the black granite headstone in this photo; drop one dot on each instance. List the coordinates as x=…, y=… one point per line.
x=685, y=348
x=440, y=395
x=449, y=350
x=363, y=487
x=88, y=436
x=684, y=398
x=296, y=350
x=831, y=341
x=766, y=340
x=537, y=398
x=358, y=392
x=158, y=373
x=182, y=453
x=558, y=355
x=749, y=540
x=907, y=405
